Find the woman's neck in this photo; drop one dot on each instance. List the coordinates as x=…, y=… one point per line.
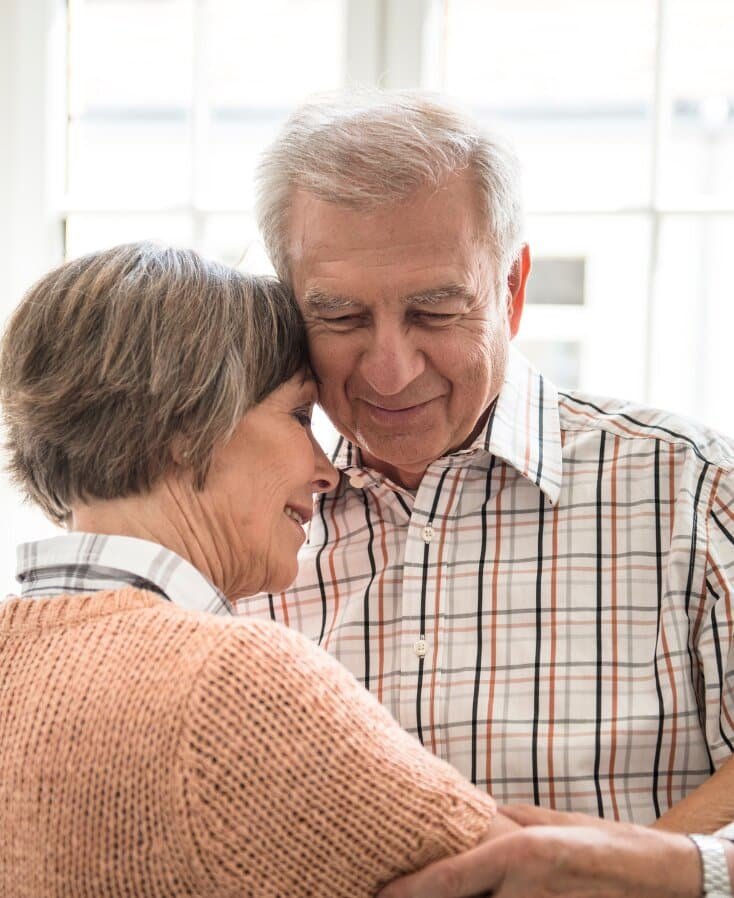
x=158, y=517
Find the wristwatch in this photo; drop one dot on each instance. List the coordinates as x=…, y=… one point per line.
x=716, y=880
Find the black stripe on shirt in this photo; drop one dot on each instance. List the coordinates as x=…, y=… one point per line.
x=644, y=424
x=722, y=528
x=480, y=624
x=599, y=627
x=689, y=593
x=402, y=502
x=537, y=664
x=719, y=667
x=424, y=588
x=366, y=604
x=337, y=450
x=319, y=571
x=659, y=596
x=538, y=476
x=490, y=424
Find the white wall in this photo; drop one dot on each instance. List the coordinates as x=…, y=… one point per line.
x=32, y=110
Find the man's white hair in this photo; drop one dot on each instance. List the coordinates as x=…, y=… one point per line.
x=366, y=148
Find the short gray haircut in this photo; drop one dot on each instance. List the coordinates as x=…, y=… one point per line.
x=114, y=361
x=366, y=148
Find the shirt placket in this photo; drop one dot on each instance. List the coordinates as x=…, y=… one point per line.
x=422, y=604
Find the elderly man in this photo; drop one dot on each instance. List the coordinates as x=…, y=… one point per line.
x=537, y=584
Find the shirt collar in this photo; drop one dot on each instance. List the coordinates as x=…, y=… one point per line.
x=87, y=562
x=523, y=429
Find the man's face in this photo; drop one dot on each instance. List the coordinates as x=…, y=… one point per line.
x=407, y=332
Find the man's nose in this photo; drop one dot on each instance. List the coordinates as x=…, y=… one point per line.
x=391, y=361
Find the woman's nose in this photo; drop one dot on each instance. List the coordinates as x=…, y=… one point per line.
x=326, y=475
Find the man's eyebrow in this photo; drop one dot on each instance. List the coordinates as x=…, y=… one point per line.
x=437, y=295
x=317, y=301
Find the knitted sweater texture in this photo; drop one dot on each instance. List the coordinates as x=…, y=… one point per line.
x=150, y=751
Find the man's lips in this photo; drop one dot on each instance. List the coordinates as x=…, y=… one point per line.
x=404, y=413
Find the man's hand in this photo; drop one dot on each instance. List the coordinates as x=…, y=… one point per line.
x=569, y=855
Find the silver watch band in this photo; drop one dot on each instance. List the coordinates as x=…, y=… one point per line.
x=716, y=881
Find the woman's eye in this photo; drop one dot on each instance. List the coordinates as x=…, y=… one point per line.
x=303, y=416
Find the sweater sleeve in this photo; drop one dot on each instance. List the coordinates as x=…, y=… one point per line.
x=296, y=781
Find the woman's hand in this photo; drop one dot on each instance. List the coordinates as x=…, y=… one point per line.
x=559, y=854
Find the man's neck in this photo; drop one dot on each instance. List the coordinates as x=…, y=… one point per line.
x=407, y=478
x=410, y=478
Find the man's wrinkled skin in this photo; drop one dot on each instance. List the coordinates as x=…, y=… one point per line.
x=409, y=321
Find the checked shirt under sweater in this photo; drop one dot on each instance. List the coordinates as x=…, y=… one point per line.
x=551, y=611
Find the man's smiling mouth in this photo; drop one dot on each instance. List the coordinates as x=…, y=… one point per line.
x=399, y=414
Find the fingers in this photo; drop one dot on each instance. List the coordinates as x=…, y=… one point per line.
x=475, y=872
x=614, y=860
x=530, y=815
x=500, y=826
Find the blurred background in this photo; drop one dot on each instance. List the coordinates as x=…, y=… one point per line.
x=129, y=119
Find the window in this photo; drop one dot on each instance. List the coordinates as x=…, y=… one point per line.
x=557, y=281
x=171, y=103
x=622, y=112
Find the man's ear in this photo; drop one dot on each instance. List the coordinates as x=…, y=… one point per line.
x=516, y=281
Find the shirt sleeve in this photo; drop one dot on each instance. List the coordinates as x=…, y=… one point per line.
x=714, y=637
x=726, y=832
x=297, y=782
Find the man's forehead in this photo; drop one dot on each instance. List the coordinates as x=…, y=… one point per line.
x=449, y=212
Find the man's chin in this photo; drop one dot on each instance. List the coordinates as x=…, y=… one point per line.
x=403, y=452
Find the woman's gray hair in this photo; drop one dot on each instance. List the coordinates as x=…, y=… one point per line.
x=366, y=148
x=118, y=362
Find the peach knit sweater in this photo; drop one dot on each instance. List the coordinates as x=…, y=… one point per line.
x=150, y=751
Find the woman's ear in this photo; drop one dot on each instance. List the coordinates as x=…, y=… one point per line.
x=180, y=451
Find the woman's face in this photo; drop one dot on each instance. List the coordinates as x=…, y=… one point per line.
x=258, y=493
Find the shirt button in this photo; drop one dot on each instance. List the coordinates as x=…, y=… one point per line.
x=420, y=647
x=427, y=533
x=357, y=481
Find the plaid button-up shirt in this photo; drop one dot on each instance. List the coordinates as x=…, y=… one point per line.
x=551, y=611
x=88, y=562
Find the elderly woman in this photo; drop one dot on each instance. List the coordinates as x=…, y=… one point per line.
x=158, y=406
